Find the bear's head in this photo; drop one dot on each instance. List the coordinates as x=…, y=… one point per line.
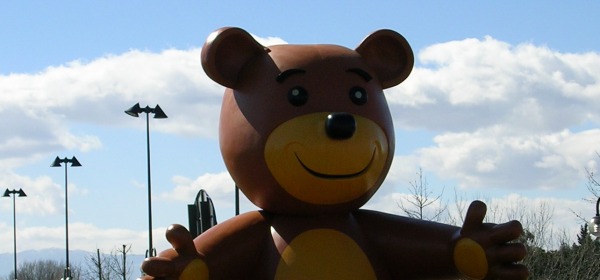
x=306, y=129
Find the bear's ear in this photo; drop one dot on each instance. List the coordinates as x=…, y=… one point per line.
x=389, y=54
x=225, y=53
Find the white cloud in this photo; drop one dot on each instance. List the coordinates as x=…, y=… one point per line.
x=505, y=116
x=220, y=187
x=216, y=185
x=82, y=236
x=495, y=158
x=468, y=84
x=43, y=107
x=43, y=196
x=269, y=41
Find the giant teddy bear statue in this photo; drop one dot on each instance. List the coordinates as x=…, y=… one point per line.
x=306, y=133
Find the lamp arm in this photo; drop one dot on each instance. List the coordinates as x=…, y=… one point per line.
x=598, y=206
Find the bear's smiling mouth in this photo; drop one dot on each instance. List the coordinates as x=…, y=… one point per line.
x=335, y=176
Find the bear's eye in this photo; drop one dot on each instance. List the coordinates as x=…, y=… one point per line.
x=358, y=95
x=297, y=96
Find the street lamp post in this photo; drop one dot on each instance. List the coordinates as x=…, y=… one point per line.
x=8, y=193
x=237, y=200
x=158, y=114
x=74, y=163
x=594, y=224
x=124, y=256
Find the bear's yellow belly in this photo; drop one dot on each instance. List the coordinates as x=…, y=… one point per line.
x=323, y=254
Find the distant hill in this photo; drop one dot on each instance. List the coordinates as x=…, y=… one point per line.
x=76, y=258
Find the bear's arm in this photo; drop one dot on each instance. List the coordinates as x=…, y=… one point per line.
x=233, y=248
x=410, y=248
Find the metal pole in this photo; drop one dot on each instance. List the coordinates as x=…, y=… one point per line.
x=150, y=254
x=15, y=233
x=67, y=268
x=99, y=265
x=237, y=200
x=124, y=268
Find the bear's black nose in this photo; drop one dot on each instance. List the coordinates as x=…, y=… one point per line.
x=340, y=126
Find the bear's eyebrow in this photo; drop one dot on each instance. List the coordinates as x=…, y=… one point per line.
x=366, y=76
x=285, y=74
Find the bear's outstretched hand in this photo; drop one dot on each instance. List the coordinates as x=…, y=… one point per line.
x=485, y=251
x=182, y=262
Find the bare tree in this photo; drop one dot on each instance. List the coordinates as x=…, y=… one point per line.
x=456, y=214
x=421, y=198
x=551, y=253
x=97, y=267
x=593, y=184
x=44, y=270
x=109, y=266
x=119, y=262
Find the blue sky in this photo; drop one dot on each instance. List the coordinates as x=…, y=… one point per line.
x=502, y=105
